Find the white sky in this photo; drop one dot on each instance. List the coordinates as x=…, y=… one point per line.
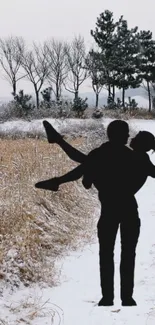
x=41, y=19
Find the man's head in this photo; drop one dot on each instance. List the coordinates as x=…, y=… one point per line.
x=118, y=132
x=143, y=141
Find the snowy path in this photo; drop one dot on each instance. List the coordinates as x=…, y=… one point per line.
x=80, y=291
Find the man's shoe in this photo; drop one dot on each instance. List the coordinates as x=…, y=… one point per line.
x=129, y=302
x=105, y=302
x=52, y=135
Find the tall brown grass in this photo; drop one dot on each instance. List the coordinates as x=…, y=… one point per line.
x=37, y=227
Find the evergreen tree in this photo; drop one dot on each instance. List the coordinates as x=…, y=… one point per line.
x=96, y=70
x=146, y=62
x=105, y=37
x=46, y=94
x=23, y=101
x=127, y=57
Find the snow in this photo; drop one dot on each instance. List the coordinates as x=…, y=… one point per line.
x=75, y=300
x=36, y=125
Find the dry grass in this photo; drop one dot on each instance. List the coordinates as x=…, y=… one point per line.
x=36, y=226
x=137, y=114
x=33, y=308
x=140, y=113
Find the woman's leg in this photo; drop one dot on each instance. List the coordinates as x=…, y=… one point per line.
x=54, y=136
x=53, y=183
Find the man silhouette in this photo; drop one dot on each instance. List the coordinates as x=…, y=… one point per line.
x=112, y=168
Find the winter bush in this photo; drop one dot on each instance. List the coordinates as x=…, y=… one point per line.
x=97, y=113
x=79, y=106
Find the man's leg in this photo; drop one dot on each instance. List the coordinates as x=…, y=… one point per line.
x=107, y=230
x=130, y=229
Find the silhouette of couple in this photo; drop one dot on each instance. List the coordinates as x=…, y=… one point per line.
x=117, y=172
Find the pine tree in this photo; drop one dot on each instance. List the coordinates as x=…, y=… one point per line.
x=96, y=70
x=146, y=62
x=46, y=94
x=127, y=53
x=104, y=36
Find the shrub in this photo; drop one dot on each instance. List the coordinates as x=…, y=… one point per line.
x=79, y=106
x=97, y=113
x=46, y=95
x=21, y=105
x=23, y=100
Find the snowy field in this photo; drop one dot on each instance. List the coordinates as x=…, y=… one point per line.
x=75, y=300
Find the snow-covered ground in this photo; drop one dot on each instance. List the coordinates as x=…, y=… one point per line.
x=75, y=300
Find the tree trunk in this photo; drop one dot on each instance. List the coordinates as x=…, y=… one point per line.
x=14, y=88
x=57, y=93
x=76, y=95
x=123, y=98
x=113, y=88
x=60, y=90
x=97, y=98
x=37, y=98
x=153, y=102
x=109, y=91
x=149, y=95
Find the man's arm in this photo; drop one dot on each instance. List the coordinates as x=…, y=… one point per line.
x=90, y=168
x=71, y=176
x=53, y=183
x=84, y=170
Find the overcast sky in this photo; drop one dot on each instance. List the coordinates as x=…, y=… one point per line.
x=62, y=19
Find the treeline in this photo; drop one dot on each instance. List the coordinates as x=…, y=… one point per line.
x=121, y=58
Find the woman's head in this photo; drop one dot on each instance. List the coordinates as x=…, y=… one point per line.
x=143, y=141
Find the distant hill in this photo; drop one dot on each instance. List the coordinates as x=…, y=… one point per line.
x=139, y=94
x=5, y=99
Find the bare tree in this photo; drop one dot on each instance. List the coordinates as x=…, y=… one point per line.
x=58, y=65
x=76, y=54
x=11, y=52
x=36, y=67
